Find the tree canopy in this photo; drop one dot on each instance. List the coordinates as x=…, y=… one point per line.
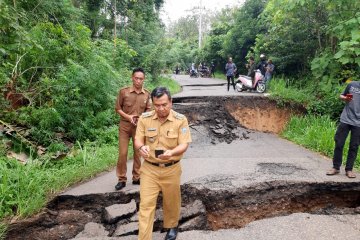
x=303, y=37
x=62, y=62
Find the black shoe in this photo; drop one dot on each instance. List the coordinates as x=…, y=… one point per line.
x=136, y=182
x=120, y=185
x=171, y=234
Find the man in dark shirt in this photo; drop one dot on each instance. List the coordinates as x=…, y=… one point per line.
x=262, y=64
x=251, y=69
x=349, y=122
x=230, y=69
x=212, y=69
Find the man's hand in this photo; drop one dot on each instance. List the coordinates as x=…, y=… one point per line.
x=345, y=98
x=145, y=151
x=133, y=119
x=166, y=155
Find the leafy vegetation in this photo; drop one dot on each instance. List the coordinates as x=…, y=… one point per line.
x=61, y=66
x=307, y=40
x=314, y=99
x=26, y=188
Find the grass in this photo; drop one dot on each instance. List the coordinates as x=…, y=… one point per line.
x=282, y=93
x=316, y=133
x=25, y=189
x=173, y=86
x=3, y=228
x=220, y=75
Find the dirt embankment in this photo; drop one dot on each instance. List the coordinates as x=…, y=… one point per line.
x=259, y=114
x=252, y=112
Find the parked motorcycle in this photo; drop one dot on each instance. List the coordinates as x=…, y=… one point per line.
x=194, y=73
x=244, y=83
x=205, y=72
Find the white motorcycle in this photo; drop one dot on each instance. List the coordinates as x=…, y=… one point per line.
x=244, y=83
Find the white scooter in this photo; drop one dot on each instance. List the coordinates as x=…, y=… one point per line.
x=244, y=83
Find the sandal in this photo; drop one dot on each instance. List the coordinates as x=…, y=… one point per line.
x=332, y=171
x=350, y=174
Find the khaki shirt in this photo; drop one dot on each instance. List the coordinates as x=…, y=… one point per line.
x=131, y=102
x=168, y=135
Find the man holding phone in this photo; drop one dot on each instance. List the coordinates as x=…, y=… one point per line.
x=162, y=136
x=131, y=102
x=349, y=122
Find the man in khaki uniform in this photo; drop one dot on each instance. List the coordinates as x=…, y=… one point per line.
x=130, y=104
x=162, y=136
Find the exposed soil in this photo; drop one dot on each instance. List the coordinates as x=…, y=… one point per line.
x=222, y=209
x=278, y=199
x=202, y=208
x=212, y=114
x=259, y=114
x=252, y=112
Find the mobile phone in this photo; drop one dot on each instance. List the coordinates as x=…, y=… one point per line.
x=158, y=152
x=349, y=96
x=135, y=119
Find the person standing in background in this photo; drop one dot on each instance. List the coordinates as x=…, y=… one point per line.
x=212, y=70
x=230, y=69
x=131, y=102
x=251, y=69
x=269, y=71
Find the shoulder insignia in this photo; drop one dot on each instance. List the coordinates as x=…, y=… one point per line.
x=148, y=114
x=179, y=116
x=146, y=90
x=124, y=88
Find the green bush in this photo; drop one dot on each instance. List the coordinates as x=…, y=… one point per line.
x=108, y=135
x=317, y=98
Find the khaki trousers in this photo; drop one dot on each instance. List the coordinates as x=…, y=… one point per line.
x=127, y=131
x=153, y=180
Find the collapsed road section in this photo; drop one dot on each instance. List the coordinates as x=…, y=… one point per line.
x=236, y=182
x=115, y=214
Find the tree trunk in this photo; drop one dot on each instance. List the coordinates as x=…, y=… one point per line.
x=114, y=23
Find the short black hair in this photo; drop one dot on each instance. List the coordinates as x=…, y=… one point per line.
x=159, y=92
x=139, y=69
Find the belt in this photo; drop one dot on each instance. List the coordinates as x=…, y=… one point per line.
x=163, y=164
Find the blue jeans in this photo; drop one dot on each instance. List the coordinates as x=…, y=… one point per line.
x=267, y=79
